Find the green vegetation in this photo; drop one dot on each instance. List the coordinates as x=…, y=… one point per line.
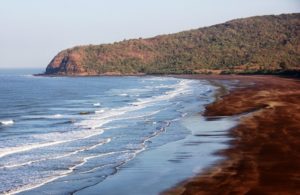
x=251, y=45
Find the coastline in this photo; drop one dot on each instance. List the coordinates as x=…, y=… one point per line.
x=181, y=157
x=263, y=156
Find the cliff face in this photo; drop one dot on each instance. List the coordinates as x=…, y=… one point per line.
x=242, y=45
x=67, y=62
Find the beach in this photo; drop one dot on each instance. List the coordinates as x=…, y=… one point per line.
x=264, y=156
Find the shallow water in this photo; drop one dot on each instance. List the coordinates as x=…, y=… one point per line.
x=163, y=167
x=62, y=135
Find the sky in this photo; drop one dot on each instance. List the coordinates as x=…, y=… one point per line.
x=32, y=32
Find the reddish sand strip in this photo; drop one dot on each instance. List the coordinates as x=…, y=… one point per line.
x=264, y=157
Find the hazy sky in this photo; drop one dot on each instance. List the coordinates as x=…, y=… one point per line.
x=33, y=31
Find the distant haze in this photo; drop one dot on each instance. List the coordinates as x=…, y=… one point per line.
x=32, y=32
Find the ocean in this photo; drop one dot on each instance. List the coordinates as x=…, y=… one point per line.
x=104, y=135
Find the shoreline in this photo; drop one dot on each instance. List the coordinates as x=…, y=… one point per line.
x=181, y=150
x=263, y=157
x=294, y=74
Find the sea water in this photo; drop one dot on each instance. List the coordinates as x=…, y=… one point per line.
x=103, y=135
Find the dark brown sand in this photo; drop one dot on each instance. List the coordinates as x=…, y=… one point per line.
x=264, y=157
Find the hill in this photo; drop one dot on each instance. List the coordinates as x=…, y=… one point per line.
x=261, y=43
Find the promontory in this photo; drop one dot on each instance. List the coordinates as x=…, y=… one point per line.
x=250, y=45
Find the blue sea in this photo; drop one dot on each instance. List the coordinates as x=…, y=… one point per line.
x=104, y=135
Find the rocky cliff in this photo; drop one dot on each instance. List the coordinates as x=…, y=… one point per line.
x=262, y=43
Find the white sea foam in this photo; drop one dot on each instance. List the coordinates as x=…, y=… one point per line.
x=208, y=89
x=59, y=156
x=184, y=114
x=129, y=156
x=62, y=174
x=51, y=139
x=12, y=150
x=140, y=115
x=53, y=116
x=6, y=122
x=180, y=88
x=102, y=118
x=96, y=104
x=99, y=111
x=159, y=79
x=56, y=116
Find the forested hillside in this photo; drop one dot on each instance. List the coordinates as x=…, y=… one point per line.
x=262, y=43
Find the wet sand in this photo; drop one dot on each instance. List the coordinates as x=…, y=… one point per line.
x=264, y=156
